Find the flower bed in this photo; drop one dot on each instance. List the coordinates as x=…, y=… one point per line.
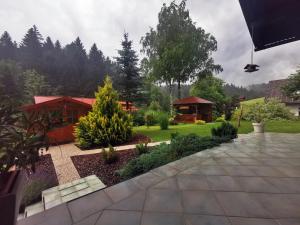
x=87, y=165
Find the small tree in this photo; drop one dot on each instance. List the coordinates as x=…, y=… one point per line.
x=107, y=124
x=292, y=88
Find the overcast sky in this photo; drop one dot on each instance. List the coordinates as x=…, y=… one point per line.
x=104, y=21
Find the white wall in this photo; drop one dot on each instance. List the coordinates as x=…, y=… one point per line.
x=294, y=109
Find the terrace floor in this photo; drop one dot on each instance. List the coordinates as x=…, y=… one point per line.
x=253, y=181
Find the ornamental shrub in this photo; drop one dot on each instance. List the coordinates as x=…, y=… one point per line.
x=164, y=121
x=109, y=156
x=220, y=119
x=138, y=118
x=226, y=131
x=107, y=123
x=151, y=117
x=141, y=148
x=200, y=122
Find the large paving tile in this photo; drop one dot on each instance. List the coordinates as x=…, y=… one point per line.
x=289, y=221
x=165, y=171
x=192, y=182
x=227, y=161
x=134, y=202
x=248, y=161
x=256, y=184
x=213, y=171
x=266, y=171
x=251, y=221
x=150, y=218
x=146, y=180
x=88, y=205
x=91, y=220
x=280, y=205
x=55, y=216
x=122, y=190
x=223, y=183
x=290, y=171
x=241, y=204
x=110, y=217
x=170, y=183
x=201, y=202
x=239, y=171
x=286, y=185
x=163, y=200
x=206, y=220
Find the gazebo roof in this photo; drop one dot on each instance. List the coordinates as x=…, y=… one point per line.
x=191, y=100
x=274, y=22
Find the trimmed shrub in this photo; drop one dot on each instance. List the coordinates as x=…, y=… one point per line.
x=173, y=122
x=107, y=123
x=141, y=148
x=200, y=122
x=110, y=156
x=151, y=118
x=158, y=156
x=164, y=121
x=181, y=145
x=138, y=118
x=220, y=119
x=225, y=131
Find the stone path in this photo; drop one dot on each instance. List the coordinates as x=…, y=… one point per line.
x=252, y=181
x=64, y=167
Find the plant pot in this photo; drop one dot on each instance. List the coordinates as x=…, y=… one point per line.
x=258, y=127
x=11, y=193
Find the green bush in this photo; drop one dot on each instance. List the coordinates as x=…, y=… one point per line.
x=158, y=156
x=226, y=131
x=164, y=121
x=154, y=106
x=138, y=118
x=110, y=156
x=107, y=123
x=151, y=117
x=220, y=119
x=141, y=148
x=181, y=145
x=200, y=122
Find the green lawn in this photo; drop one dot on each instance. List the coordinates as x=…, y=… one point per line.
x=156, y=134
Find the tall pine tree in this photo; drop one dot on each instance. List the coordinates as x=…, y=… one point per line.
x=7, y=47
x=31, y=48
x=129, y=80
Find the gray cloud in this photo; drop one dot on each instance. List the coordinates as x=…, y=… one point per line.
x=104, y=22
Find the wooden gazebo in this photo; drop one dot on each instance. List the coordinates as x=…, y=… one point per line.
x=190, y=109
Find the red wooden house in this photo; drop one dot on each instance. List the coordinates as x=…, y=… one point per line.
x=190, y=109
x=62, y=113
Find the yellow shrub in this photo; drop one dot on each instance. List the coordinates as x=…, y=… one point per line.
x=200, y=122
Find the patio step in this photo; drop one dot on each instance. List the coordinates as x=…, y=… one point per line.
x=64, y=193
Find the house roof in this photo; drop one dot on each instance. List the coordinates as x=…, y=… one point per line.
x=191, y=100
x=274, y=90
x=41, y=101
x=274, y=22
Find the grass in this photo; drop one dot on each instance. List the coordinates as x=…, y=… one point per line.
x=156, y=134
x=253, y=101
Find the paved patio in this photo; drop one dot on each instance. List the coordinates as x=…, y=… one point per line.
x=252, y=181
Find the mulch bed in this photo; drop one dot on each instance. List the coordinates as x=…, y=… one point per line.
x=87, y=165
x=45, y=171
x=135, y=139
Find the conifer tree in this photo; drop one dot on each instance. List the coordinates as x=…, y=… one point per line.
x=7, y=47
x=129, y=80
x=31, y=48
x=107, y=124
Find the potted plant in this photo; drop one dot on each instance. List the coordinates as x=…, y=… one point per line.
x=20, y=146
x=258, y=114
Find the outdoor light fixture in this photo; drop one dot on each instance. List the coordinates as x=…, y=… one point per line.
x=250, y=68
